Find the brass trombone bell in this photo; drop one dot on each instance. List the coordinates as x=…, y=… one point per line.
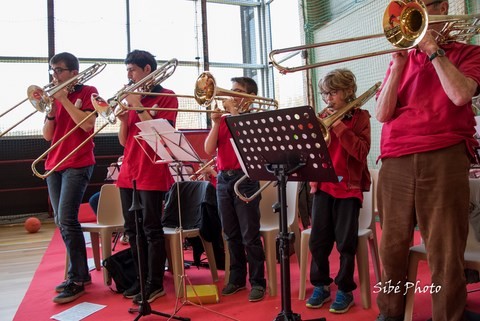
x=206, y=92
x=404, y=26
x=42, y=98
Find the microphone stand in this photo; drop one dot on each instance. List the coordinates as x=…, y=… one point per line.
x=144, y=307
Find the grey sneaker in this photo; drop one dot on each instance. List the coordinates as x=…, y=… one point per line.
x=59, y=288
x=71, y=292
x=257, y=293
x=151, y=294
x=319, y=296
x=232, y=289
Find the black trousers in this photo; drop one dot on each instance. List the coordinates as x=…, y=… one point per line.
x=334, y=220
x=151, y=233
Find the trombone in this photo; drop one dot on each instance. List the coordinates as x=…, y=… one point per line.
x=41, y=97
x=199, y=174
x=404, y=23
x=327, y=122
x=101, y=108
x=146, y=84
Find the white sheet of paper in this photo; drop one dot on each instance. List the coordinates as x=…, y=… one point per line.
x=168, y=144
x=78, y=312
x=240, y=160
x=477, y=127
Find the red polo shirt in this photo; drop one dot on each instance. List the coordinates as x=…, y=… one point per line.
x=226, y=157
x=136, y=164
x=63, y=124
x=425, y=118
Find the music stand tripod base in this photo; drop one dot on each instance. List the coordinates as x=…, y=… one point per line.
x=144, y=307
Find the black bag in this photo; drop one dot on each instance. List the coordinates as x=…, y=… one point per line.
x=121, y=268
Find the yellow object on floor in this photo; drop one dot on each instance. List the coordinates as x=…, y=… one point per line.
x=205, y=294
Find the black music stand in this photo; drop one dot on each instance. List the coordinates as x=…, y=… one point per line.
x=144, y=307
x=277, y=146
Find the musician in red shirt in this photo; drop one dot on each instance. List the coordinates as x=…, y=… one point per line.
x=152, y=180
x=336, y=206
x=240, y=220
x=426, y=146
x=67, y=184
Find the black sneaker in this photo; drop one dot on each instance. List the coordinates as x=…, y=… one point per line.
x=71, y=292
x=132, y=291
x=232, y=289
x=59, y=288
x=257, y=293
x=152, y=293
x=381, y=317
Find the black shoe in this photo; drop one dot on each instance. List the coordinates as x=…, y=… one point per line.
x=381, y=317
x=151, y=292
x=132, y=291
x=71, y=292
x=59, y=288
x=256, y=294
x=232, y=289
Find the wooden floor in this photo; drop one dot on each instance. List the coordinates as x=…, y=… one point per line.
x=20, y=254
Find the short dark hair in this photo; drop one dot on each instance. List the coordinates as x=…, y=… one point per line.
x=249, y=84
x=141, y=58
x=71, y=62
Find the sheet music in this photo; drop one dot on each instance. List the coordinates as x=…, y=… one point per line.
x=170, y=145
x=78, y=312
x=239, y=157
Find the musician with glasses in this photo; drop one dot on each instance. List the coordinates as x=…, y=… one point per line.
x=152, y=180
x=67, y=185
x=425, y=106
x=240, y=220
x=336, y=206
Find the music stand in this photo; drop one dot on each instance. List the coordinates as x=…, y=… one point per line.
x=277, y=146
x=172, y=147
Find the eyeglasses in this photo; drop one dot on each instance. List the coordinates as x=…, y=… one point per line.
x=325, y=94
x=434, y=2
x=57, y=70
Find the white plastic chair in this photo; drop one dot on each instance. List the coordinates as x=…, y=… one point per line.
x=418, y=253
x=365, y=238
x=109, y=220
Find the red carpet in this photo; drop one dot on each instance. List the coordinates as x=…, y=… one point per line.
x=37, y=303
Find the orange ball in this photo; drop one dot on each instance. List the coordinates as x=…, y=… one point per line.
x=32, y=224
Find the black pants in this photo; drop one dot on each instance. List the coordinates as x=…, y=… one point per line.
x=152, y=240
x=334, y=220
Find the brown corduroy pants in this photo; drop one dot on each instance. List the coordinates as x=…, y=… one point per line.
x=430, y=190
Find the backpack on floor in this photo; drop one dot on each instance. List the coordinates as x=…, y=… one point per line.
x=121, y=268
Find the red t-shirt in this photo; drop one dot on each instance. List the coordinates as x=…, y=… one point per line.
x=425, y=118
x=136, y=164
x=63, y=124
x=226, y=157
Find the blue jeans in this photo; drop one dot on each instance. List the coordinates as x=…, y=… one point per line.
x=93, y=201
x=241, y=225
x=66, y=189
